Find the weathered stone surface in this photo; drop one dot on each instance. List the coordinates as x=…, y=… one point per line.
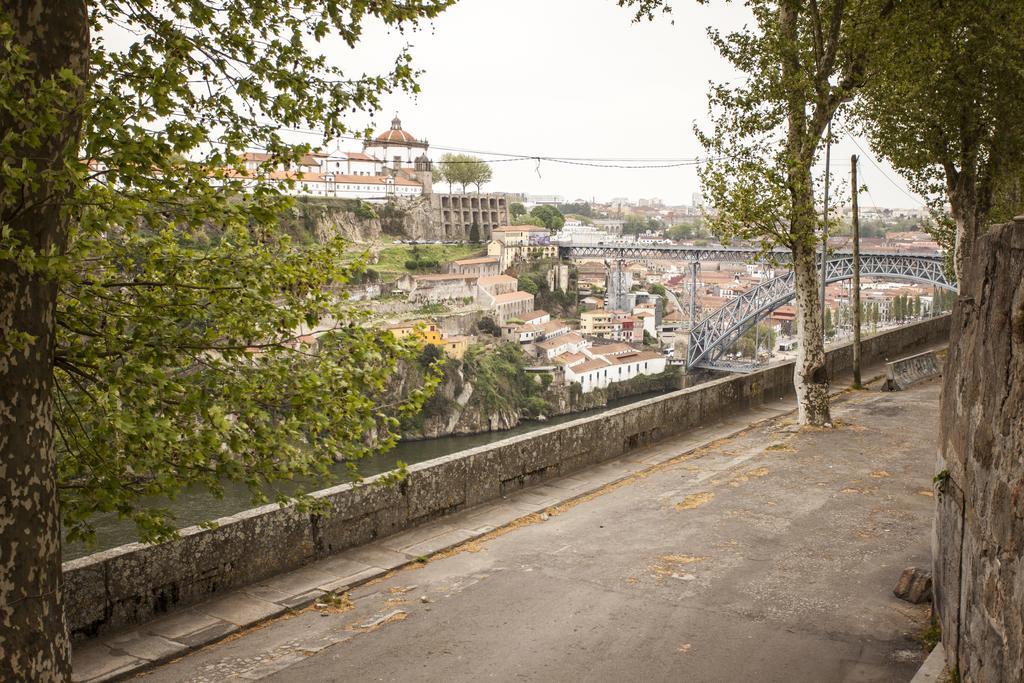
x=902, y=373
x=979, y=554
x=135, y=583
x=915, y=585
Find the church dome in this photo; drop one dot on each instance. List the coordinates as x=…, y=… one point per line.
x=395, y=134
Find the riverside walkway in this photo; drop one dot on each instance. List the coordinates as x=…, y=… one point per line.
x=749, y=550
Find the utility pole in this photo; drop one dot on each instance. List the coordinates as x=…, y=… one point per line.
x=824, y=229
x=855, y=291
x=694, y=267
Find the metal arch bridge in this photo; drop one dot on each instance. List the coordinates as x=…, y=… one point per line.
x=713, y=335
x=667, y=252
x=660, y=252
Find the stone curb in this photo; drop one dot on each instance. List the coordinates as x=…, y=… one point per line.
x=934, y=668
x=119, y=656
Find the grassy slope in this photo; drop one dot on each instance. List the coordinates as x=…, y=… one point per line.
x=391, y=263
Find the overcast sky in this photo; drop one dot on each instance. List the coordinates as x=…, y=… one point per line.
x=574, y=78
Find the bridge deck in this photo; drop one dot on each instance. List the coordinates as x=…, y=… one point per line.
x=770, y=555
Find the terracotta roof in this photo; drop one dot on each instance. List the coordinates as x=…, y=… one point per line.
x=568, y=357
x=395, y=135
x=315, y=177
x=519, y=228
x=532, y=315
x=496, y=280
x=442, y=276
x=554, y=325
x=593, y=364
x=310, y=159
x=634, y=357
x=474, y=261
x=611, y=349
x=512, y=296
x=359, y=156
x=571, y=338
x=523, y=329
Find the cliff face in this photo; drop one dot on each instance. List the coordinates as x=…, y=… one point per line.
x=979, y=527
x=455, y=408
x=320, y=218
x=414, y=219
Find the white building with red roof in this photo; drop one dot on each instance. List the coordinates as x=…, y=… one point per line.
x=396, y=146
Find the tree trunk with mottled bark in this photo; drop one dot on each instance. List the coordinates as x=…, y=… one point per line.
x=961, y=192
x=33, y=635
x=810, y=376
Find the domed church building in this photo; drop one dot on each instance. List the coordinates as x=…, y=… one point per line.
x=396, y=147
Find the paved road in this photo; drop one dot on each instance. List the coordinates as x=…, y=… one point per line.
x=770, y=556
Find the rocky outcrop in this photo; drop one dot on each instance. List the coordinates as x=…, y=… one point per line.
x=321, y=218
x=416, y=219
x=454, y=409
x=979, y=529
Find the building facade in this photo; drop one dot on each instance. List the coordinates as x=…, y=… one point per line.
x=482, y=266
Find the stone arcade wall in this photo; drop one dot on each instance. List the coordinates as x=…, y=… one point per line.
x=979, y=526
x=134, y=583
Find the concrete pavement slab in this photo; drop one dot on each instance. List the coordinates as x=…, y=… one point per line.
x=98, y=663
x=734, y=562
x=241, y=609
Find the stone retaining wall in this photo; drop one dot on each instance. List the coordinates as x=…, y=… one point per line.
x=135, y=582
x=978, y=547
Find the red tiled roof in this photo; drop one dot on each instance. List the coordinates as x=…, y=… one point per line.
x=512, y=296
x=496, y=280
x=475, y=261
x=594, y=364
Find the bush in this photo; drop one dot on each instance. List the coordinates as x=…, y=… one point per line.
x=486, y=325
x=527, y=284
x=430, y=354
x=365, y=211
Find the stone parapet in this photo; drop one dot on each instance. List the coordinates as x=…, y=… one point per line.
x=135, y=583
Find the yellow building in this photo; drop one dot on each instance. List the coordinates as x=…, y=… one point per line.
x=456, y=345
x=513, y=243
x=426, y=331
x=599, y=322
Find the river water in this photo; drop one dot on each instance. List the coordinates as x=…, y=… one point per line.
x=194, y=506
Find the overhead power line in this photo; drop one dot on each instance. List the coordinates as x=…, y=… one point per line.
x=885, y=175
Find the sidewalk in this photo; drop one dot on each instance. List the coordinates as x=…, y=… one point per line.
x=578, y=567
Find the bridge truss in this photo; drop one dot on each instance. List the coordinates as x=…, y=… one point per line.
x=713, y=335
x=669, y=252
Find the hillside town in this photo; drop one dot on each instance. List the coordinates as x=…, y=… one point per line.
x=619, y=319
x=511, y=340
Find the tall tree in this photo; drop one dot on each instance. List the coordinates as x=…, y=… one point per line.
x=482, y=175
x=465, y=169
x=800, y=62
x=943, y=107
x=551, y=217
x=44, y=59
x=150, y=308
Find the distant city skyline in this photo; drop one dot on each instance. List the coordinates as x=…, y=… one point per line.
x=576, y=79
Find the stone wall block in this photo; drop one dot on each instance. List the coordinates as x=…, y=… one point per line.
x=437, y=488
